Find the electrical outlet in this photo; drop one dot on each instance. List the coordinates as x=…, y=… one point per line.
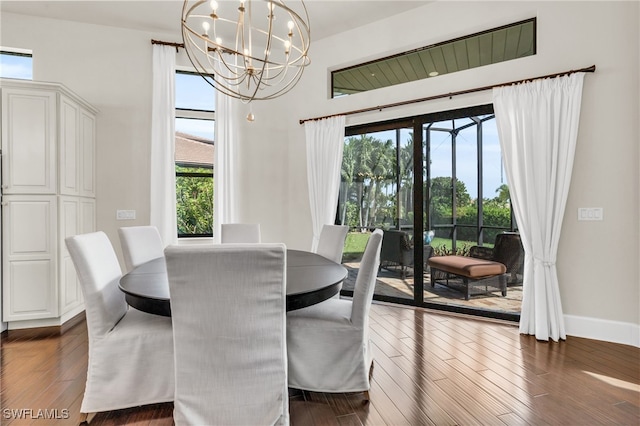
x=590, y=213
x=125, y=214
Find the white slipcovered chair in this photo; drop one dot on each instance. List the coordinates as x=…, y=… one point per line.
x=130, y=352
x=331, y=245
x=140, y=244
x=228, y=306
x=328, y=344
x=331, y=242
x=240, y=233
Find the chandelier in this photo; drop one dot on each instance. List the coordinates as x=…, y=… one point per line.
x=253, y=50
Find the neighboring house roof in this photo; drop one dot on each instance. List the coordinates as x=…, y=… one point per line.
x=193, y=149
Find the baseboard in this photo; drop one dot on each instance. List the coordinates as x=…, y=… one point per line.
x=598, y=329
x=41, y=329
x=61, y=321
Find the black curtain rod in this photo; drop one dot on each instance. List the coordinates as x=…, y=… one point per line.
x=168, y=43
x=592, y=68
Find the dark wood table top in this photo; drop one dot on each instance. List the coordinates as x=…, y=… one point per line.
x=311, y=279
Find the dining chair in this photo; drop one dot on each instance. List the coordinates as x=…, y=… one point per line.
x=328, y=344
x=140, y=244
x=331, y=242
x=331, y=245
x=130, y=352
x=240, y=233
x=229, y=340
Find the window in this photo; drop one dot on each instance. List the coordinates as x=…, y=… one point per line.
x=16, y=63
x=501, y=44
x=195, y=125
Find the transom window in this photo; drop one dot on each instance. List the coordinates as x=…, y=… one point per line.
x=501, y=44
x=16, y=63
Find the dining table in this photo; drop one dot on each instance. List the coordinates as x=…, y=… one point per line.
x=310, y=279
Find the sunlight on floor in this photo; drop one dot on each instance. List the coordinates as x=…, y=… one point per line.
x=615, y=382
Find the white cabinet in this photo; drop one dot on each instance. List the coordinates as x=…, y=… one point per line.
x=48, y=159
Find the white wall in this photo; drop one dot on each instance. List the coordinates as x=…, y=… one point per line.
x=598, y=262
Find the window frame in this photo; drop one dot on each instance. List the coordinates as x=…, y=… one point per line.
x=195, y=114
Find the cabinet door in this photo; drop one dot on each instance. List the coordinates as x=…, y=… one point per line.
x=70, y=292
x=77, y=216
x=69, y=146
x=28, y=141
x=29, y=257
x=87, y=215
x=87, y=145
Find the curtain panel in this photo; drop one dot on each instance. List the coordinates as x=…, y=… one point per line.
x=538, y=127
x=163, y=175
x=225, y=163
x=325, y=144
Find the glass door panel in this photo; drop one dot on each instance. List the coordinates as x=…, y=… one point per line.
x=438, y=139
x=377, y=192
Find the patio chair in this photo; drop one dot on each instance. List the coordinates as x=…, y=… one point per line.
x=397, y=250
x=507, y=250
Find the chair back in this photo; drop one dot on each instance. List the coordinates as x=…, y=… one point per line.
x=99, y=272
x=140, y=244
x=366, y=280
x=508, y=250
x=228, y=305
x=331, y=242
x=240, y=233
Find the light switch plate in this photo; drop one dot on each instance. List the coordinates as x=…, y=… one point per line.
x=125, y=214
x=590, y=213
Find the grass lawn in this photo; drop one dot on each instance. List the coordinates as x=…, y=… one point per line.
x=356, y=242
x=354, y=245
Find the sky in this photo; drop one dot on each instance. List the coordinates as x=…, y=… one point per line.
x=193, y=92
x=466, y=156
x=12, y=66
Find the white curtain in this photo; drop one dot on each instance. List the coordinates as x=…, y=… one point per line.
x=325, y=143
x=225, y=163
x=538, y=127
x=163, y=175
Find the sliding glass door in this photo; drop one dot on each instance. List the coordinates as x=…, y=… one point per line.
x=442, y=195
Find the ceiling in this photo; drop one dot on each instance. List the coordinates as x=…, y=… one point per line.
x=327, y=17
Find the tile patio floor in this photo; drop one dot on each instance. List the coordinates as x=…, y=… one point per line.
x=391, y=283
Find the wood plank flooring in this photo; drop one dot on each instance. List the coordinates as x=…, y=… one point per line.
x=430, y=369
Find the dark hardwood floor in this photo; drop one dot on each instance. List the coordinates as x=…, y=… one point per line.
x=430, y=369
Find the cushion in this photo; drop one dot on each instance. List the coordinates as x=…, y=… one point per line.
x=467, y=266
